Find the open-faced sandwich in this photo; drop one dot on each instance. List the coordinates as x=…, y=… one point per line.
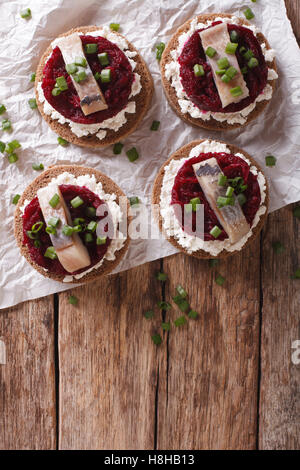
x=67, y=223
x=226, y=183
x=218, y=72
x=92, y=86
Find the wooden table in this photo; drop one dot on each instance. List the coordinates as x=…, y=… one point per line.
x=90, y=377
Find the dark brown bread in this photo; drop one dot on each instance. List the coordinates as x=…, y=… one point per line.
x=170, y=92
x=142, y=100
x=183, y=152
x=43, y=180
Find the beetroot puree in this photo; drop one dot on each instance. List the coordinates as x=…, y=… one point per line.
x=202, y=91
x=116, y=92
x=33, y=214
x=186, y=187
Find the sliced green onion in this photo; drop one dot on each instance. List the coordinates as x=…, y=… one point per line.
x=235, y=181
x=244, y=70
x=56, y=91
x=164, y=305
x=91, y=227
x=91, y=48
x=114, y=26
x=236, y=91
x=101, y=240
x=50, y=253
x=161, y=277
x=249, y=14
x=270, y=160
x=229, y=191
x=13, y=158
x=51, y=230
x=210, y=52
x=220, y=280
x=80, y=76
x=195, y=202
x=76, y=202
x=296, y=212
x=6, y=125
x=222, y=180
x=155, y=125
x=234, y=36
x=31, y=235
x=248, y=55
x=243, y=187
x=62, y=142
x=181, y=303
x=90, y=211
x=88, y=238
x=242, y=50
x=81, y=61
x=222, y=201
x=297, y=274
x=26, y=13
x=73, y=300
x=149, y=314
x=77, y=228
x=241, y=199
x=105, y=75
x=215, y=231
x=13, y=145
x=103, y=58
x=32, y=77
x=37, y=243
x=32, y=103
x=67, y=230
x=213, y=262
x=61, y=83
x=193, y=314
x=132, y=154
x=180, y=321
x=54, y=221
x=278, y=247
x=231, y=48
x=78, y=221
x=223, y=63
x=71, y=68
x=134, y=200
x=97, y=76
x=37, y=166
x=198, y=70
x=37, y=227
x=225, y=78
x=166, y=326
x=156, y=339
x=253, y=62
x=54, y=201
x=231, y=72
x=159, y=50
x=16, y=198
x=2, y=108
x=2, y=147
x=117, y=149
x=181, y=291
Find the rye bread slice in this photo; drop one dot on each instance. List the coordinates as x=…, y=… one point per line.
x=43, y=180
x=183, y=152
x=142, y=100
x=170, y=92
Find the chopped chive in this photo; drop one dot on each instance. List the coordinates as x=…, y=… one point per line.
x=270, y=160
x=76, y=202
x=117, y=148
x=235, y=181
x=278, y=247
x=297, y=274
x=61, y=83
x=242, y=50
x=2, y=108
x=181, y=291
x=155, y=125
x=215, y=231
x=198, y=70
x=243, y=187
x=231, y=48
x=229, y=191
x=231, y=72
x=149, y=314
x=244, y=70
x=78, y=221
x=97, y=76
x=296, y=212
x=73, y=300
x=221, y=71
x=161, y=277
x=210, y=52
x=11, y=146
x=166, y=326
x=132, y=154
x=2, y=147
x=180, y=321
x=222, y=201
x=248, y=54
x=26, y=13
x=77, y=228
x=234, y=36
x=56, y=91
x=91, y=48
x=103, y=58
x=51, y=230
x=62, y=142
x=134, y=200
x=223, y=63
x=159, y=50
x=13, y=158
x=101, y=240
x=195, y=202
x=220, y=280
x=241, y=199
x=81, y=61
x=71, y=68
x=37, y=166
x=193, y=314
x=79, y=76
x=88, y=238
x=222, y=180
x=164, y=305
x=236, y=91
x=225, y=78
x=32, y=103
x=105, y=75
x=67, y=230
x=114, y=26
x=6, y=125
x=37, y=227
x=54, y=221
x=249, y=14
x=90, y=211
x=181, y=303
x=213, y=262
x=50, y=253
x=31, y=235
x=253, y=62
x=54, y=201
x=91, y=227
x=156, y=339
x=37, y=243
x=16, y=198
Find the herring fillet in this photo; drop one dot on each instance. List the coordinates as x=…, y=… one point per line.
x=218, y=38
x=71, y=252
x=91, y=97
x=231, y=218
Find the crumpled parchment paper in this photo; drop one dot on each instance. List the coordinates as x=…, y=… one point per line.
x=144, y=23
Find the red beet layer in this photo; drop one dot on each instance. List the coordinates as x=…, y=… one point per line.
x=186, y=187
x=33, y=214
x=202, y=91
x=116, y=92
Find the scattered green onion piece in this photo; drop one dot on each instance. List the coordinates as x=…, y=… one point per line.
x=220, y=280
x=37, y=227
x=215, y=231
x=180, y=321
x=198, y=70
x=90, y=211
x=242, y=50
x=222, y=180
x=222, y=201
x=134, y=200
x=81, y=61
x=231, y=72
x=11, y=146
x=161, y=277
x=195, y=202
x=231, y=48
x=91, y=227
x=248, y=54
x=32, y=77
x=188, y=208
x=37, y=166
x=213, y=262
x=37, y=243
x=221, y=71
x=73, y=300
x=223, y=63
x=54, y=221
x=166, y=326
x=156, y=339
x=101, y=240
x=78, y=221
x=77, y=228
x=225, y=78
x=236, y=91
x=253, y=1
x=91, y=48
x=2, y=108
x=181, y=291
x=297, y=274
x=193, y=314
x=32, y=103
x=164, y=305
x=241, y=199
x=210, y=52
x=67, y=230
x=97, y=76
x=132, y=154
x=54, y=201
x=6, y=125
x=76, y=202
x=2, y=147
x=117, y=149
x=249, y=14
x=16, y=198
x=243, y=187
x=62, y=142
x=229, y=191
x=31, y=235
x=244, y=70
x=159, y=50
x=296, y=212
x=51, y=230
x=114, y=26
x=149, y=314
x=270, y=160
x=26, y=13
x=155, y=125
x=235, y=181
x=56, y=91
x=253, y=62
x=103, y=58
x=88, y=238
x=71, y=68
x=50, y=253
x=181, y=303
x=234, y=36
x=13, y=158
x=278, y=247
x=61, y=83
x=105, y=75
x=80, y=76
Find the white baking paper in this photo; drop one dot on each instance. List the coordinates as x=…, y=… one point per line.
x=144, y=23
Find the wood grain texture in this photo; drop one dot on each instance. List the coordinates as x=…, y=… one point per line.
x=27, y=380
x=293, y=12
x=108, y=363
x=209, y=374
x=280, y=378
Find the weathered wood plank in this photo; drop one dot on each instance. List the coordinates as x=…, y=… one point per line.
x=27, y=380
x=209, y=374
x=108, y=363
x=280, y=378
x=293, y=11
